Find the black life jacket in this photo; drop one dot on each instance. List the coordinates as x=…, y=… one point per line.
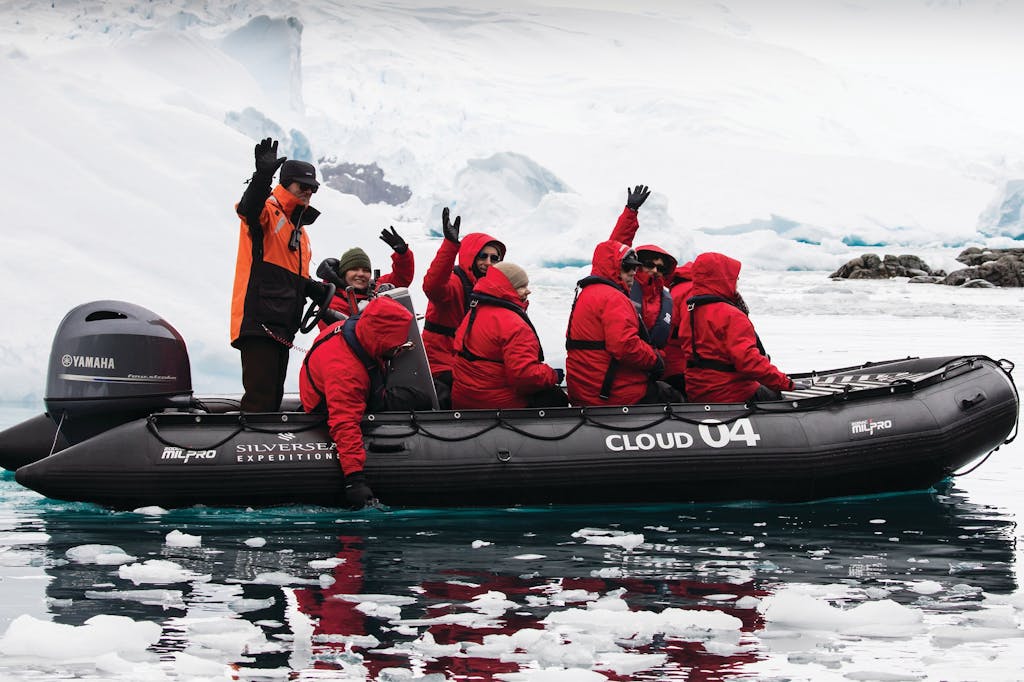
x=467, y=291
x=586, y=344
x=477, y=300
x=696, y=360
x=662, y=328
x=375, y=401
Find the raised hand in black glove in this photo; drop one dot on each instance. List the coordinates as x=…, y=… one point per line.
x=636, y=197
x=658, y=369
x=559, y=376
x=267, y=160
x=315, y=290
x=357, y=493
x=450, y=230
x=394, y=240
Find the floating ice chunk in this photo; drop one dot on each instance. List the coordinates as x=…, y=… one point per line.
x=27, y=538
x=553, y=674
x=477, y=544
x=326, y=564
x=188, y=666
x=28, y=636
x=529, y=557
x=281, y=578
x=382, y=611
x=795, y=610
x=925, y=587
x=102, y=555
x=159, y=572
x=165, y=598
x=256, y=542
x=248, y=605
x=393, y=599
x=492, y=603
x=178, y=539
x=600, y=536
x=150, y=511
x=627, y=663
x=230, y=635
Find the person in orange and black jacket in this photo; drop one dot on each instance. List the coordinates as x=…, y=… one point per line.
x=271, y=273
x=727, y=363
x=648, y=291
x=353, y=270
x=345, y=374
x=677, y=350
x=499, y=362
x=448, y=283
x=609, y=360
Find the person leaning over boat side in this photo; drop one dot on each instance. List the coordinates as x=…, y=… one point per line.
x=500, y=363
x=271, y=273
x=353, y=270
x=727, y=363
x=648, y=290
x=345, y=374
x=677, y=348
x=449, y=281
x=609, y=360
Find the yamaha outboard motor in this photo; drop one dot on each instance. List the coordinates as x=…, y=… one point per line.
x=112, y=362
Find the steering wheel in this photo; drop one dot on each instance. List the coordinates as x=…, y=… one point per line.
x=317, y=309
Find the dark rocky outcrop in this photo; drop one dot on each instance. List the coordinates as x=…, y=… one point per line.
x=365, y=181
x=985, y=268
x=870, y=266
x=999, y=267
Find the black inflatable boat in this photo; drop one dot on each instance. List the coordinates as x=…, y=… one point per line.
x=125, y=431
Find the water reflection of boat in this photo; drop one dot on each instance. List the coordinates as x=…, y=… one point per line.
x=690, y=557
x=875, y=428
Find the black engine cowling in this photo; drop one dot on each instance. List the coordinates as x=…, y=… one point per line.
x=112, y=362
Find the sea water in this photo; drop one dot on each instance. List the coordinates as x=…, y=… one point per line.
x=916, y=586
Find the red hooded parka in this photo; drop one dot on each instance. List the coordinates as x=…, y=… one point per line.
x=604, y=314
x=343, y=380
x=723, y=333
x=651, y=286
x=446, y=295
x=506, y=367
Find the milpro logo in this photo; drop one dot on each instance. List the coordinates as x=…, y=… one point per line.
x=711, y=434
x=868, y=427
x=87, y=362
x=185, y=456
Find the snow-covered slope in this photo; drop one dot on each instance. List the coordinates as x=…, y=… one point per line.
x=790, y=136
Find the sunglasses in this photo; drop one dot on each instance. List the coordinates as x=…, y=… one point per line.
x=660, y=267
x=303, y=186
x=630, y=267
x=493, y=257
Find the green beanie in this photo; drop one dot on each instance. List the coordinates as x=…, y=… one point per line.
x=352, y=259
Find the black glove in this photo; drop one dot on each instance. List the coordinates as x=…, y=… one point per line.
x=328, y=272
x=315, y=290
x=559, y=376
x=450, y=230
x=636, y=198
x=393, y=240
x=658, y=369
x=357, y=493
x=267, y=160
